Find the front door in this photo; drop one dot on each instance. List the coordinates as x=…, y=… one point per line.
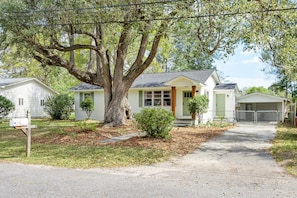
x=186, y=96
x=220, y=99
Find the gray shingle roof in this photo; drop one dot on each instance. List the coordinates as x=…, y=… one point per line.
x=226, y=86
x=7, y=82
x=156, y=79
x=11, y=81
x=159, y=79
x=85, y=86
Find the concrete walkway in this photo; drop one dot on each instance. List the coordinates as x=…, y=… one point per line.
x=235, y=164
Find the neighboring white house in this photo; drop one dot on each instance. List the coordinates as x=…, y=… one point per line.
x=170, y=91
x=260, y=107
x=26, y=94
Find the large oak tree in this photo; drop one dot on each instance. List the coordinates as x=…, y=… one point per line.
x=105, y=32
x=110, y=43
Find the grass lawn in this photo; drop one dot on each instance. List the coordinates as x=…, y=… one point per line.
x=284, y=148
x=71, y=154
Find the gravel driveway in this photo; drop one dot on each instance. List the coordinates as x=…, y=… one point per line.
x=235, y=164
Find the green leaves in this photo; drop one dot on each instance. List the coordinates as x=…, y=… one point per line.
x=156, y=122
x=59, y=107
x=87, y=105
x=6, y=106
x=199, y=105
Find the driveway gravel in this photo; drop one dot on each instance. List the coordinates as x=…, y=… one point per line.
x=234, y=164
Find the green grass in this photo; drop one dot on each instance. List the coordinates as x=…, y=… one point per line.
x=284, y=148
x=13, y=149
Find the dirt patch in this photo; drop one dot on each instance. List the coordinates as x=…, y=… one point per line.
x=183, y=140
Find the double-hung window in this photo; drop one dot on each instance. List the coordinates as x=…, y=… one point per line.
x=157, y=98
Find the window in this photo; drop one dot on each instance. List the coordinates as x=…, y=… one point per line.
x=83, y=96
x=166, y=98
x=42, y=102
x=148, y=97
x=87, y=95
x=21, y=101
x=157, y=98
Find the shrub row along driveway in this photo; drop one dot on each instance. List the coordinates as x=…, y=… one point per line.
x=235, y=164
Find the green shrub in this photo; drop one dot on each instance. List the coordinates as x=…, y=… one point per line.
x=86, y=126
x=87, y=105
x=6, y=106
x=59, y=107
x=198, y=105
x=156, y=122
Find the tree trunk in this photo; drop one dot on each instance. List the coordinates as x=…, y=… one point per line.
x=115, y=112
x=116, y=105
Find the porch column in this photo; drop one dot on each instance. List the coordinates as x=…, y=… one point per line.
x=193, y=91
x=193, y=95
x=173, y=98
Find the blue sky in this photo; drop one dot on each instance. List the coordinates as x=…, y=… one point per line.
x=244, y=68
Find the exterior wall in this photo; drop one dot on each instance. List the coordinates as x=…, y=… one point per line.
x=31, y=93
x=98, y=113
x=208, y=90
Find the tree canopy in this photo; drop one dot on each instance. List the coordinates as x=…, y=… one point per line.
x=110, y=43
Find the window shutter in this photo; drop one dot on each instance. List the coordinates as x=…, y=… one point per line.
x=140, y=99
x=81, y=97
x=92, y=95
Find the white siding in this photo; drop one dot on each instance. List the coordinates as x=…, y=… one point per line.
x=31, y=94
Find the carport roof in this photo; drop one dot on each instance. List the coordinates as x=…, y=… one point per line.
x=259, y=97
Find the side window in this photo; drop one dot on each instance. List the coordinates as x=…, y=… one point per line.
x=21, y=101
x=42, y=102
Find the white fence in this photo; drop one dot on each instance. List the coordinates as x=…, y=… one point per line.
x=258, y=116
x=250, y=116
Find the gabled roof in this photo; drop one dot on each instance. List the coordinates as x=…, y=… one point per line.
x=159, y=79
x=258, y=97
x=8, y=82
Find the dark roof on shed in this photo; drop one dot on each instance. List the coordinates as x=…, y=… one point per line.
x=85, y=86
x=156, y=79
x=226, y=86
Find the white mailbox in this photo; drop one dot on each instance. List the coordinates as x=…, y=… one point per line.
x=19, y=122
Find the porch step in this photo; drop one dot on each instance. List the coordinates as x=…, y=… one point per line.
x=182, y=122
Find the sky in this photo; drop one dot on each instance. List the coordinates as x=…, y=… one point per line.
x=244, y=68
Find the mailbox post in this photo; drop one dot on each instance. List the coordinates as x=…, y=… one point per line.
x=24, y=124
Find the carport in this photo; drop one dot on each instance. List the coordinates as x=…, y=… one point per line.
x=260, y=107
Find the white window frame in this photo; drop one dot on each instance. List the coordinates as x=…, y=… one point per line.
x=157, y=98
